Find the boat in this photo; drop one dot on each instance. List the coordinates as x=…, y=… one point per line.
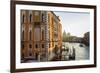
x=81, y=45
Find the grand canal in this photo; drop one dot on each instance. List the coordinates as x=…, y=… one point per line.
x=81, y=52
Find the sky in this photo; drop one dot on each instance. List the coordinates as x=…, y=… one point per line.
x=75, y=23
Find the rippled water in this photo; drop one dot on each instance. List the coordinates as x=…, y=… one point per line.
x=81, y=52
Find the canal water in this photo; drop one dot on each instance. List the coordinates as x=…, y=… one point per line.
x=81, y=50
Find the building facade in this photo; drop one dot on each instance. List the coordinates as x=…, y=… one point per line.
x=86, y=38
x=41, y=31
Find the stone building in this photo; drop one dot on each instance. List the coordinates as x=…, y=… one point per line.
x=41, y=31
x=86, y=38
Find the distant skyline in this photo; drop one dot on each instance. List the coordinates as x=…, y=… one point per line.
x=75, y=23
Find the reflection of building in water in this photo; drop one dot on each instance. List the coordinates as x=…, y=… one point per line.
x=41, y=31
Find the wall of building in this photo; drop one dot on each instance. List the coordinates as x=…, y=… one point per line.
x=39, y=33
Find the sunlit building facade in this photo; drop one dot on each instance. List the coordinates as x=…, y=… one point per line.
x=41, y=31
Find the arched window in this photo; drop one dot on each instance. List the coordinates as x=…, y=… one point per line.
x=30, y=35
x=22, y=35
x=42, y=45
x=42, y=34
x=42, y=17
x=30, y=46
x=30, y=17
x=23, y=17
x=36, y=46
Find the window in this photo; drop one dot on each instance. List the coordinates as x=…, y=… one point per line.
x=30, y=46
x=23, y=35
x=22, y=46
x=23, y=17
x=42, y=34
x=52, y=20
x=36, y=46
x=30, y=17
x=49, y=45
x=30, y=34
x=30, y=54
x=22, y=55
x=37, y=32
x=42, y=17
x=42, y=45
x=49, y=17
